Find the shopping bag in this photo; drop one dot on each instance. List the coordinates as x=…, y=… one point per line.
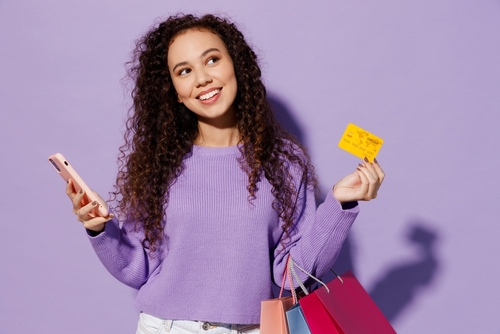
x=272, y=311
x=343, y=306
x=296, y=322
x=272, y=315
x=295, y=318
x=318, y=319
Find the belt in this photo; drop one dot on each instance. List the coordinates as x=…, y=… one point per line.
x=240, y=328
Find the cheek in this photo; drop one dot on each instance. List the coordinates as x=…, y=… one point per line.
x=182, y=88
x=230, y=78
x=230, y=74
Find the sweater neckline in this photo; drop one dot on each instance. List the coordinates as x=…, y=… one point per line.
x=216, y=151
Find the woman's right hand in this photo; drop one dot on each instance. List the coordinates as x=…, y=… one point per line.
x=85, y=213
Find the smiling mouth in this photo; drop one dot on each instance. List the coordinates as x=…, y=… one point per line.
x=209, y=94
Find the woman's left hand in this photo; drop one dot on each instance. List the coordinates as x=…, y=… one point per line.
x=362, y=185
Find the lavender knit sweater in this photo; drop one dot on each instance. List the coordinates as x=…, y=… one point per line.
x=221, y=252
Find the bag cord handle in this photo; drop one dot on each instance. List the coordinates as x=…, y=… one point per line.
x=338, y=276
x=293, y=264
x=290, y=280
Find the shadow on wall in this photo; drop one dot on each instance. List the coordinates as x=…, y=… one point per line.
x=286, y=119
x=400, y=286
x=395, y=290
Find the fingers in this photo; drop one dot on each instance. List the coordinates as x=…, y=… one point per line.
x=368, y=188
x=362, y=185
x=378, y=170
x=364, y=188
x=90, y=221
x=70, y=190
x=372, y=176
x=77, y=201
x=85, y=213
x=75, y=197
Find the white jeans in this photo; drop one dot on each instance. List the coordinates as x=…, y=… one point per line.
x=149, y=324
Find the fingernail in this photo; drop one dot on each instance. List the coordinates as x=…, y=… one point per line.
x=67, y=181
x=94, y=203
x=366, y=159
x=360, y=165
x=375, y=161
x=81, y=191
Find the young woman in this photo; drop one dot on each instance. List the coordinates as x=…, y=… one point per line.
x=213, y=192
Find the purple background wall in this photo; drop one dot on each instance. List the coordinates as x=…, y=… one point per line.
x=424, y=75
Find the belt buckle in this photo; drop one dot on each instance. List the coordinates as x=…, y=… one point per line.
x=206, y=326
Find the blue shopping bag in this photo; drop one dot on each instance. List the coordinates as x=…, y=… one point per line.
x=296, y=321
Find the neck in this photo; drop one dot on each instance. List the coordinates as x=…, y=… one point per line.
x=217, y=137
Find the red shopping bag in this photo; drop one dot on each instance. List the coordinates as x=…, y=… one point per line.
x=319, y=320
x=343, y=307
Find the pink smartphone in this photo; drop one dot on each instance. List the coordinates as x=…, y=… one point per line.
x=67, y=172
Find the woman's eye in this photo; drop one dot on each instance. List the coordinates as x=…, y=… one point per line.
x=212, y=60
x=184, y=71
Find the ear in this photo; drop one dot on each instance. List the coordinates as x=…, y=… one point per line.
x=179, y=99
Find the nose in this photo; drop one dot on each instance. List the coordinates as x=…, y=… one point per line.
x=203, y=78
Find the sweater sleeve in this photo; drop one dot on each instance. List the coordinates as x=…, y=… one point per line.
x=317, y=235
x=121, y=252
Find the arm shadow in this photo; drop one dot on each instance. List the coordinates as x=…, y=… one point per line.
x=401, y=284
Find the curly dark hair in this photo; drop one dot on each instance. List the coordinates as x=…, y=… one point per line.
x=160, y=132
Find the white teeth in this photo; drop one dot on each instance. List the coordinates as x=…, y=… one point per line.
x=209, y=95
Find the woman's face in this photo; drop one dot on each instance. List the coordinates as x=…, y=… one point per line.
x=203, y=76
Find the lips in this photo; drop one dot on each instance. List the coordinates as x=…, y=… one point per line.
x=208, y=94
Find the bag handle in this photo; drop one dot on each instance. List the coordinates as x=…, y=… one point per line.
x=294, y=275
x=286, y=274
x=338, y=276
x=293, y=264
x=291, y=274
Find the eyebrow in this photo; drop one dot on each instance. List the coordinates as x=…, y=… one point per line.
x=201, y=56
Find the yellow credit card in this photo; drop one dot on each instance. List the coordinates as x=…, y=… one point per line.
x=360, y=142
